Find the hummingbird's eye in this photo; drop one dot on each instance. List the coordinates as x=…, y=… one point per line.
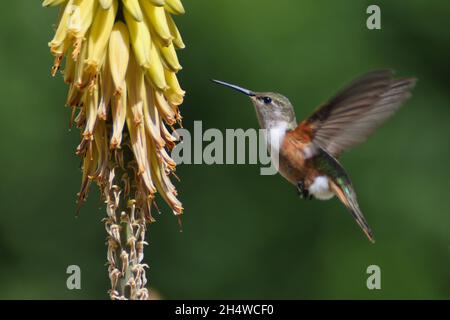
x=267, y=100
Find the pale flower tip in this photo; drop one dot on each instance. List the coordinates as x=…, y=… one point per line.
x=92, y=67
x=163, y=87
x=55, y=47
x=166, y=42
x=47, y=3
x=134, y=9
x=137, y=120
x=105, y=4
x=114, y=144
x=88, y=136
x=174, y=7
x=118, y=92
x=157, y=3
x=102, y=116
x=52, y=3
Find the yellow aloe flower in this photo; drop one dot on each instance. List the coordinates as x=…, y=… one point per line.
x=121, y=65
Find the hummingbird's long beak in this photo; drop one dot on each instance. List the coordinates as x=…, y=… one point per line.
x=235, y=87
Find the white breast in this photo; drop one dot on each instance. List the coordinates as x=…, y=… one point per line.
x=275, y=136
x=320, y=188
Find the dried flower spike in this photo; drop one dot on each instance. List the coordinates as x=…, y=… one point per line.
x=121, y=66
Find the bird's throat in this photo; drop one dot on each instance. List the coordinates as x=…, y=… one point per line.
x=275, y=134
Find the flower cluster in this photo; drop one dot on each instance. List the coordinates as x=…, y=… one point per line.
x=121, y=67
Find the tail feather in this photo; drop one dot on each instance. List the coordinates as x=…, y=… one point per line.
x=348, y=197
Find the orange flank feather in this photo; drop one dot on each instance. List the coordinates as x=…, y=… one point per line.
x=293, y=159
x=304, y=132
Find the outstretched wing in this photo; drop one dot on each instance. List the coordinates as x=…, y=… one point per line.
x=354, y=113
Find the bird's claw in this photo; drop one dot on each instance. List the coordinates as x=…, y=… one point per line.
x=302, y=191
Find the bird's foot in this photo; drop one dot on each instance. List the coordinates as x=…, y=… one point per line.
x=302, y=191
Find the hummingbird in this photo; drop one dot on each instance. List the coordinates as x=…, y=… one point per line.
x=308, y=151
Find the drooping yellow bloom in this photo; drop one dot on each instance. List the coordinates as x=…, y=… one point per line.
x=121, y=65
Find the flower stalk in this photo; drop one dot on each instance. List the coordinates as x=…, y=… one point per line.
x=121, y=67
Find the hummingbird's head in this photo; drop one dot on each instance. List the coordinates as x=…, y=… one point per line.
x=271, y=108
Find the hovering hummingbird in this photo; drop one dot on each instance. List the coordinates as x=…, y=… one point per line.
x=308, y=151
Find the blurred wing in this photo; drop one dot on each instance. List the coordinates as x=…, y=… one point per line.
x=353, y=114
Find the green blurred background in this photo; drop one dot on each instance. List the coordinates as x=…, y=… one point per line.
x=245, y=235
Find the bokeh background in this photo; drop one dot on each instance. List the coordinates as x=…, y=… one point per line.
x=245, y=235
